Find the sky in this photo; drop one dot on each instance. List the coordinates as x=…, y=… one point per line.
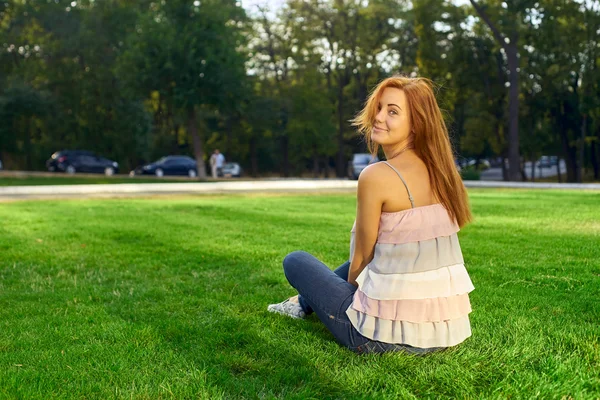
x=250, y=5
x=275, y=4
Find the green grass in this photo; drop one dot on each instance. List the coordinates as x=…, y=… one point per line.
x=87, y=180
x=166, y=297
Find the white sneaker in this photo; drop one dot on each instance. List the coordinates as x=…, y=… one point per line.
x=288, y=308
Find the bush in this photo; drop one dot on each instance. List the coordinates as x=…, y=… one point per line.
x=470, y=174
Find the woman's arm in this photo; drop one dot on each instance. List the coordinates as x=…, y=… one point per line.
x=368, y=211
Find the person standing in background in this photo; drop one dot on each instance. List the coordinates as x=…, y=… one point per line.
x=213, y=164
x=217, y=160
x=220, y=162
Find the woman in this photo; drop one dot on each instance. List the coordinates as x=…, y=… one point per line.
x=405, y=287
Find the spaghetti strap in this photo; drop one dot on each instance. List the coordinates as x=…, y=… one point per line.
x=412, y=203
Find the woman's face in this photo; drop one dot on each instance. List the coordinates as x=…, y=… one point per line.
x=392, y=122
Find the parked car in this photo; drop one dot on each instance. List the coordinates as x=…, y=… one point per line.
x=231, y=169
x=72, y=161
x=457, y=164
x=470, y=163
x=547, y=161
x=483, y=163
x=360, y=162
x=170, y=165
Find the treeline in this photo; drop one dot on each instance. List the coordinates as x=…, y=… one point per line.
x=136, y=80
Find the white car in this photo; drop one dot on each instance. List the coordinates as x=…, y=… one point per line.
x=360, y=162
x=231, y=170
x=483, y=163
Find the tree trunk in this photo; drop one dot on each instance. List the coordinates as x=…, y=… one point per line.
x=532, y=167
x=558, y=171
x=504, y=170
x=26, y=126
x=362, y=90
x=315, y=162
x=196, y=142
x=339, y=164
x=580, y=164
x=570, y=155
x=512, y=55
x=253, y=157
x=513, y=113
x=285, y=162
x=5, y=158
x=594, y=159
x=175, y=139
x=229, y=136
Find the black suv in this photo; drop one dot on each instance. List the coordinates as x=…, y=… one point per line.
x=71, y=161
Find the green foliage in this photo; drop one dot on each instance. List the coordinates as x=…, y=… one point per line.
x=23, y=111
x=68, y=53
x=470, y=174
x=187, y=53
x=20, y=107
x=136, y=81
x=478, y=131
x=562, y=80
x=166, y=298
x=311, y=127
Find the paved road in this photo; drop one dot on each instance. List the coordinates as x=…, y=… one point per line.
x=142, y=189
x=495, y=174
x=9, y=193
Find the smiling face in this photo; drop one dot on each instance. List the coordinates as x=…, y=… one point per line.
x=392, y=121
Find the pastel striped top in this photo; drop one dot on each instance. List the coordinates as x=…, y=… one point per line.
x=416, y=289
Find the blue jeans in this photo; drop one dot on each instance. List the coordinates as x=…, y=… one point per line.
x=328, y=294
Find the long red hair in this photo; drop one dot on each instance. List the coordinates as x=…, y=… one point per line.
x=431, y=140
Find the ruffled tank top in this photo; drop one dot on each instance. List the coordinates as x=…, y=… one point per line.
x=416, y=289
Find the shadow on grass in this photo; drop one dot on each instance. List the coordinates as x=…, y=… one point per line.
x=247, y=352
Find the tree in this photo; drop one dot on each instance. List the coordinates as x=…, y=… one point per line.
x=311, y=126
x=509, y=43
x=352, y=39
x=274, y=47
x=68, y=54
x=188, y=53
x=564, y=74
x=22, y=110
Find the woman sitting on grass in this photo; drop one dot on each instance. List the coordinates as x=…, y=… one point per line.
x=405, y=287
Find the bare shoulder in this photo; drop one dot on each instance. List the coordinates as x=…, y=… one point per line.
x=375, y=176
x=373, y=172
x=415, y=179
x=370, y=192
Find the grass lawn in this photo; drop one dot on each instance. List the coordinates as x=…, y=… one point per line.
x=166, y=298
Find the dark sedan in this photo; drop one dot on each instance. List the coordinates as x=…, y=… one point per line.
x=360, y=162
x=171, y=165
x=72, y=161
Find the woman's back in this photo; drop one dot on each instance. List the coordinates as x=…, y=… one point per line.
x=415, y=289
